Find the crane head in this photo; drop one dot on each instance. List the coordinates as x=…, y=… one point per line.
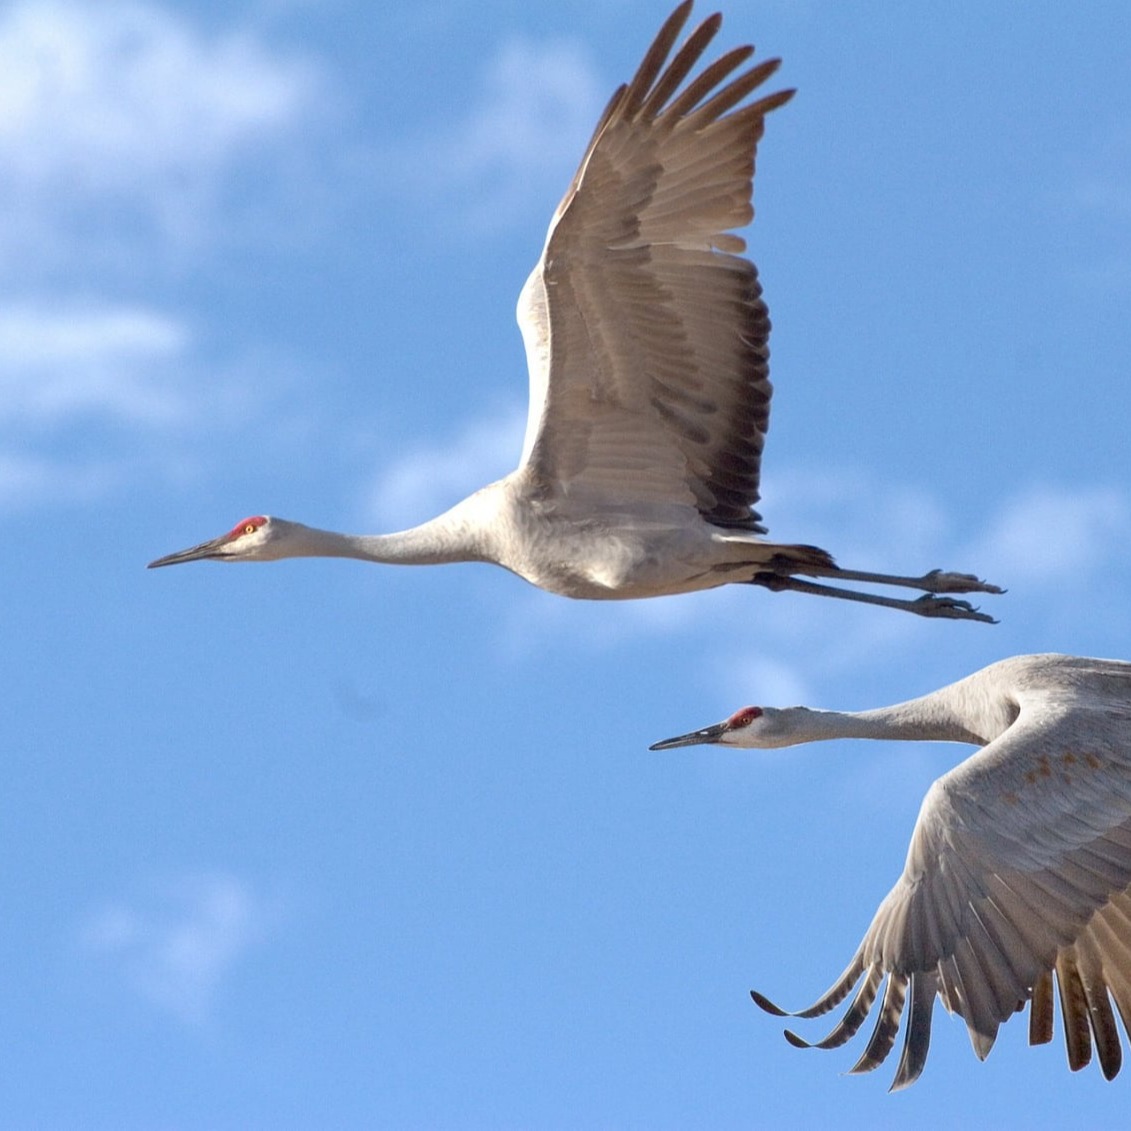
x=752, y=726
x=248, y=541
x=721, y=734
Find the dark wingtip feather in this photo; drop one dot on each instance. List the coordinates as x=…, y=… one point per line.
x=917, y=1038
x=795, y=1040
x=680, y=66
x=778, y=98
x=655, y=57
x=1110, y=1053
x=1073, y=1010
x=1041, y=1011
x=887, y=1027
x=763, y=1002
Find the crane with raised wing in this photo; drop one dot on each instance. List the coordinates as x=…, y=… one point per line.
x=647, y=346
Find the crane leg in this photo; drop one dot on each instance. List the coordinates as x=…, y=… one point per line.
x=937, y=581
x=928, y=605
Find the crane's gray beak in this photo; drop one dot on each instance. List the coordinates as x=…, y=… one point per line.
x=206, y=550
x=696, y=738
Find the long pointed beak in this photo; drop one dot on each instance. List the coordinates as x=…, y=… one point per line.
x=696, y=738
x=204, y=551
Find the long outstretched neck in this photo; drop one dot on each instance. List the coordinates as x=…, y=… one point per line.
x=458, y=535
x=925, y=719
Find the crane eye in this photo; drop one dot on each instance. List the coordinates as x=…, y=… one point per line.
x=744, y=717
x=250, y=528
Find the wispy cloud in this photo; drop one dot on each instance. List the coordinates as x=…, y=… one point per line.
x=94, y=395
x=57, y=362
x=762, y=679
x=30, y=480
x=1043, y=533
x=518, y=140
x=861, y=518
x=178, y=948
x=432, y=477
x=105, y=106
x=124, y=131
x=1049, y=534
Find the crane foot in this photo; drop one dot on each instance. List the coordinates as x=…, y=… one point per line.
x=944, y=581
x=931, y=606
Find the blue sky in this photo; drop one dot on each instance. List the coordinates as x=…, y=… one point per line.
x=325, y=844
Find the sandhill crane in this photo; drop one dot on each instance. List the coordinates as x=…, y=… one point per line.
x=646, y=341
x=1019, y=865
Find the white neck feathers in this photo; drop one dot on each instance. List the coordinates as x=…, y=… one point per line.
x=458, y=535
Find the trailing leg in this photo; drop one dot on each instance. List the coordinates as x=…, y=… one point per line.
x=928, y=605
x=937, y=581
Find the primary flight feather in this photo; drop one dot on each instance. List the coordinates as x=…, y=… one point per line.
x=646, y=341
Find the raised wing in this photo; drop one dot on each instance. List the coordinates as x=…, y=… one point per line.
x=1019, y=866
x=645, y=331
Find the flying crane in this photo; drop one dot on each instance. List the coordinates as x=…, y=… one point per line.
x=646, y=342
x=1019, y=866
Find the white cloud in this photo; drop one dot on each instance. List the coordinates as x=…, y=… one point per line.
x=430, y=479
x=28, y=480
x=85, y=88
x=1050, y=534
x=96, y=396
x=120, y=104
x=760, y=679
x=56, y=362
x=865, y=522
x=1041, y=534
x=177, y=952
x=519, y=140
x=538, y=99
x=122, y=131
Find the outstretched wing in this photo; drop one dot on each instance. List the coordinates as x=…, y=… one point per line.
x=1019, y=867
x=645, y=331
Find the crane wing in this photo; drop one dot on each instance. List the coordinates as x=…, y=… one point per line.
x=646, y=334
x=1019, y=866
